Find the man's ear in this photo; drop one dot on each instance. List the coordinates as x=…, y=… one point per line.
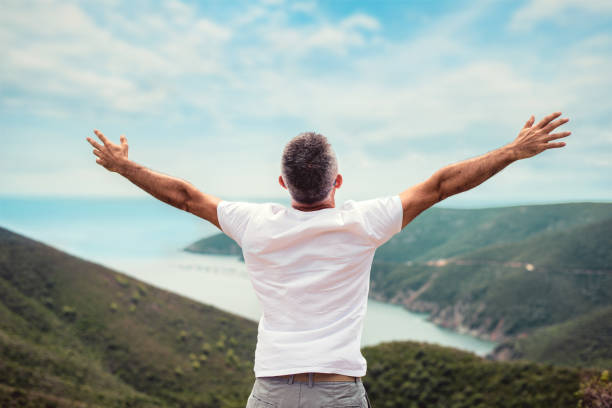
x=338, y=181
x=282, y=182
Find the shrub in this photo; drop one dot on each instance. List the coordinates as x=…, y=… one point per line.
x=231, y=358
x=206, y=349
x=182, y=336
x=135, y=298
x=122, y=281
x=142, y=290
x=69, y=312
x=596, y=392
x=221, y=342
x=113, y=307
x=48, y=302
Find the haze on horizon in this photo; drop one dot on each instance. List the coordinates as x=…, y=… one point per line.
x=210, y=92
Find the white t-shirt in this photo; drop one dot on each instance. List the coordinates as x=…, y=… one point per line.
x=311, y=272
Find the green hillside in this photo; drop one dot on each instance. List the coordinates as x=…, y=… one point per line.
x=585, y=247
x=75, y=334
x=509, y=289
x=218, y=244
x=75, y=330
x=492, y=298
x=582, y=342
x=443, y=233
x=413, y=375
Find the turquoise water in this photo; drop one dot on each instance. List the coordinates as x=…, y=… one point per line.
x=103, y=228
x=144, y=237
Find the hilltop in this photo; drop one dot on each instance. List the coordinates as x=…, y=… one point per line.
x=441, y=233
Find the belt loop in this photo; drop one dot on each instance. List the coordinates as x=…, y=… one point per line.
x=290, y=380
x=310, y=380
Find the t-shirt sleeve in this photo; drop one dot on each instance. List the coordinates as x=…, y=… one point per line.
x=234, y=217
x=382, y=217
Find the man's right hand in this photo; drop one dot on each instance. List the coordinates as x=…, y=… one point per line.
x=535, y=139
x=462, y=176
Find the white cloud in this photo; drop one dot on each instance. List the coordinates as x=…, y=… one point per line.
x=307, y=7
x=337, y=38
x=272, y=2
x=535, y=11
x=72, y=54
x=360, y=21
x=250, y=15
x=180, y=12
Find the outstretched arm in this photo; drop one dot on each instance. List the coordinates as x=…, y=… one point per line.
x=462, y=176
x=176, y=192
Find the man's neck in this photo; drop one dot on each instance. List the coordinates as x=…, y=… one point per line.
x=328, y=203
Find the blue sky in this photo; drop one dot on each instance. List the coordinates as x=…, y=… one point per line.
x=211, y=91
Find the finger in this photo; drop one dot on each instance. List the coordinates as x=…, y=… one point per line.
x=94, y=143
x=554, y=136
x=554, y=145
x=98, y=153
x=553, y=125
x=102, y=137
x=529, y=122
x=547, y=119
x=99, y=161
x=123, y=140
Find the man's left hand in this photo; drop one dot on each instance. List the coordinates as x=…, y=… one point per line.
x=110, y=155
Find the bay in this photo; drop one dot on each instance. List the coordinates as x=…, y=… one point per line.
x=143, y=238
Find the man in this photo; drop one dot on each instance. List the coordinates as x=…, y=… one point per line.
x=310, y=263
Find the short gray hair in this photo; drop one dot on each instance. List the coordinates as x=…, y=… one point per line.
x=309, y=167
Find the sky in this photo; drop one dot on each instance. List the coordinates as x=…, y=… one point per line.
x=211, y=91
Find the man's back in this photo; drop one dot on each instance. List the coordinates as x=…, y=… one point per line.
x=311, y=270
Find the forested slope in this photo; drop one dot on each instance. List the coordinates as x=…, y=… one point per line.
x=75, y=330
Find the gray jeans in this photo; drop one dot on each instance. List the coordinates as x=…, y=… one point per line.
x=269, y=392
